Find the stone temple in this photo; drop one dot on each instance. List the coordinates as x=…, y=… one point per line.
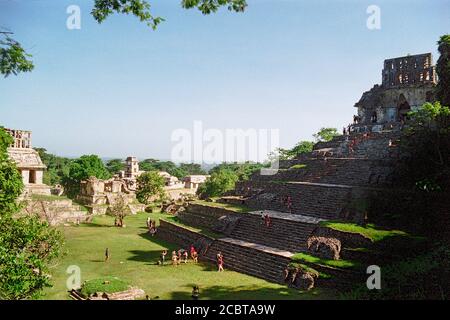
x=407, y=83
x=28, y=162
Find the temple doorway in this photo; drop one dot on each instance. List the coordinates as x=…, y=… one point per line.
x=403, y=107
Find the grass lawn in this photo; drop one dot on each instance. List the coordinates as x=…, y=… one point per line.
x=133, y=259
x=228, y=206
x=343, y=264
x=370, y=231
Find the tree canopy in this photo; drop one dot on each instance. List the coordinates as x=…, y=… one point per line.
x=443, y=71
x=27, y=245
x=150, y=185
x=220, y=181
x=426, y=142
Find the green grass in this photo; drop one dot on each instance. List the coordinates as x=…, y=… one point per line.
x=298, y=166
x=104, y=284
x=232, y=207
x=206, y=232
x=133, y=257
x=43, y=197
x=310, y=270
x=370, y=231
x=343, y=264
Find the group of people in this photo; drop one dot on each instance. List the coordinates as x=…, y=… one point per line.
x=179, y=256
x=151, y=226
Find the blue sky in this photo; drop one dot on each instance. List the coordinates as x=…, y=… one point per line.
x=119, y=88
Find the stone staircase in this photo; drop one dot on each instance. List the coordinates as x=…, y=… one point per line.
x=56, y=211
x=250, y=258
x=283, y=234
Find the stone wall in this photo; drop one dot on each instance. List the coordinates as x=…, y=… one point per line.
x=182, y=237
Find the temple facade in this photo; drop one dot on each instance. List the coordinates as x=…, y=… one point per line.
x=407, y=83
x=28, y=162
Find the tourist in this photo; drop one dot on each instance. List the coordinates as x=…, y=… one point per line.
x=107, y=255
x=174, y=258
x=194, y=256
x=162, y=257
x=267, y=220
x=192, y=251
x=195, y=292
x=344, y=131
x=220, y=262
x=289, y=204
x=148, y=222
x=185, y=255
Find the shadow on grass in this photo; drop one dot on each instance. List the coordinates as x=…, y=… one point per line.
x=247, y=293
x=96, y=225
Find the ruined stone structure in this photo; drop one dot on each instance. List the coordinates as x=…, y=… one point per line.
x=98, y=195
x=335, y=182
x=28, y=162
x=407, y=83
x=194, y=181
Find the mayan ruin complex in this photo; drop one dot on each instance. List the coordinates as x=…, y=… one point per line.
x=334, y=182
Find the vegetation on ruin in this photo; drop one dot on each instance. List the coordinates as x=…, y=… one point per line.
x=369, y=231
x=303, y=147
x=426, y=144
x=310, y=270
x=243, y=170
x=218, y=183
x=417, y=277
x=326, y=134
x=229, y=206
x=150, y=186
x=177, y=221
x=134, y=256
x=343, y=264
x=109, y=284
x=298, y=166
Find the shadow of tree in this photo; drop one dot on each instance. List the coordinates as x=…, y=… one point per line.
x=249, y=293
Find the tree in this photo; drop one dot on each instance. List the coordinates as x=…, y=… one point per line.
x=326, y=134
x=288, y=154
x=119, y=210
x=141, y=8
x=13, y=58
x=57, y=167
x=192, y=168
x=27, y=245
x=81, y=169
x=218, y=183
x=242, y=170
x=11, y=185
x=426, y=142
x=167, y=166
x=115, y=165
x=150, y=185
x=443, y=71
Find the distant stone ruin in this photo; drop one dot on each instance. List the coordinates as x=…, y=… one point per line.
x=98, y=195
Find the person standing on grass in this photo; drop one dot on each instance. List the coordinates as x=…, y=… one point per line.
x=220, y=262
x=162, y=258
x=107, y=255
